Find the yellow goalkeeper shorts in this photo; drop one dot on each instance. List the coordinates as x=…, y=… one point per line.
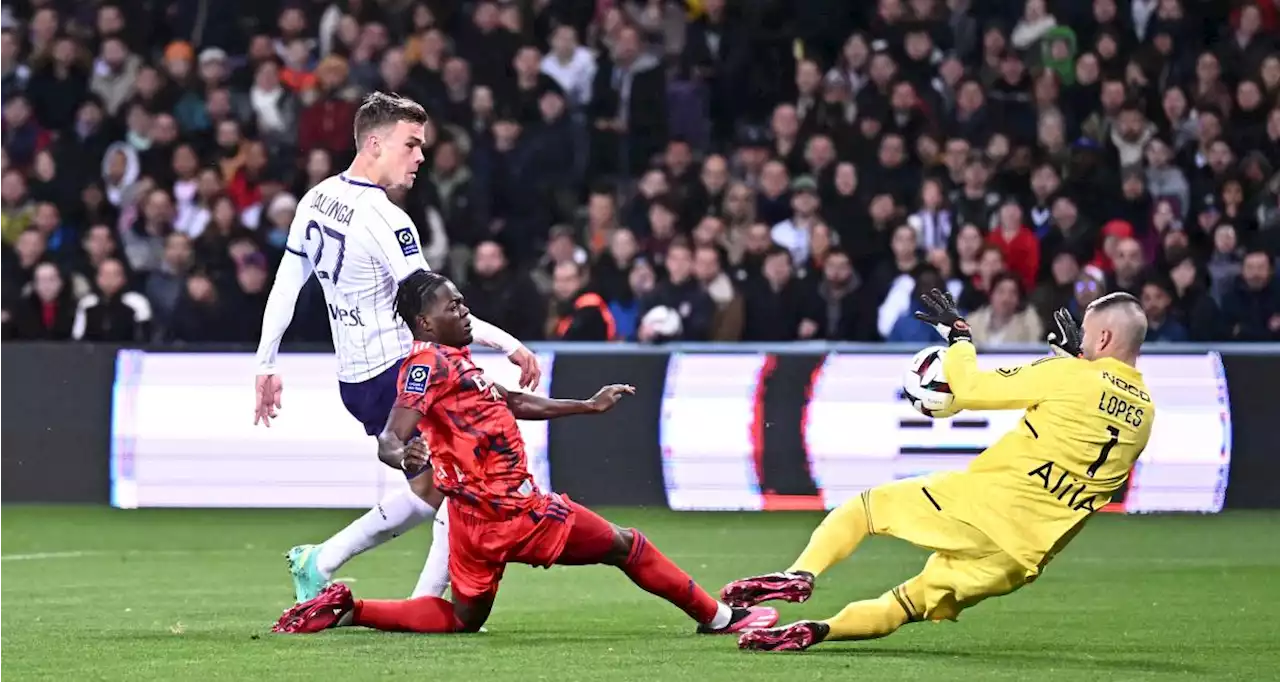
x=966, y=566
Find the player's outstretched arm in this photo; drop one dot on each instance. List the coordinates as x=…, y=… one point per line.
x=1006, y=388
x=293, y=272
x=534, y=407
x=394, y=448
x=492, y=336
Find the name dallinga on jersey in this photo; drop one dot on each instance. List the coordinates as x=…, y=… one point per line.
x=332, y=208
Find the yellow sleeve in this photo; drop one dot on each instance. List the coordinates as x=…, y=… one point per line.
x=1006, y=388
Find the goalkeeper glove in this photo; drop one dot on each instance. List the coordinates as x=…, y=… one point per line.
x=940, y=311
x=1065, y=339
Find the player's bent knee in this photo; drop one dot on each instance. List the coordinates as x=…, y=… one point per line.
x=470, y=614
x=624, y=540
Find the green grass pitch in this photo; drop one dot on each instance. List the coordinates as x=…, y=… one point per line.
x=100, y=594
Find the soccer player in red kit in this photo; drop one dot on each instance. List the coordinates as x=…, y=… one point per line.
x=499, y=515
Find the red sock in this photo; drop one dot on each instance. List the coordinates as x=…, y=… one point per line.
x=424, y=614
x=656, y=574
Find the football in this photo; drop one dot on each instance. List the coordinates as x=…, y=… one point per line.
x=925, y=384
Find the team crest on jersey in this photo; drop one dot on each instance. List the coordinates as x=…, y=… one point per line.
x=408, y=245
x=415, y=381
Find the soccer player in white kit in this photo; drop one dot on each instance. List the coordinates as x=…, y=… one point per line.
x=360, y=246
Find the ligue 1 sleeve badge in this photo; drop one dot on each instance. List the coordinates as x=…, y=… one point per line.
x=408, y=245
x=416, y=379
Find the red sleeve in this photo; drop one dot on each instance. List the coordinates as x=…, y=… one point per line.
x=424, y=378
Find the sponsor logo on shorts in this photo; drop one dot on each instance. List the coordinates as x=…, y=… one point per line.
x=415, y=380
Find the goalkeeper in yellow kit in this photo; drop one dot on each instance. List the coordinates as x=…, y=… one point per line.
x=994, y=526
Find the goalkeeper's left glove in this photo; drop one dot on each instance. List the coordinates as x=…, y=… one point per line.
x=1065, y=340
x=940, y=311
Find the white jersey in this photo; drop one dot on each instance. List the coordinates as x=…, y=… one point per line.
x=360, y=246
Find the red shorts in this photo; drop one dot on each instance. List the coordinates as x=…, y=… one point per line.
x=557, y=531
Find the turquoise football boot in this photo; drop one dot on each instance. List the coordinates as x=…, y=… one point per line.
x=307, y=581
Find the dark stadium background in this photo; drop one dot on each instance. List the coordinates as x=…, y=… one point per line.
x=825, y=160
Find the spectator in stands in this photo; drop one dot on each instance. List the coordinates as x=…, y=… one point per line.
x=497, y=293
x=1016, y=241
x=933, y=222
x=572, y=66
x=200, y=313
x=846, y=306
x=15, y=204
x=48, y=311
x=577, y=314
x=28, y=252
x=796, y=232
x=777, y=307
x=610, y=274
x=708, y=268
x=166, y=284
x=247, y=301
x=896, y=280
x=1127, y=267
x=326, y=124
x=1158, y=124
x=681, y=293
x=1251, y=309
x=1058, y=291
x=1067, y=232
x=709, y=195
x=902, y=330
x=628, y=108
x=663, y=214
x=115, y=74
x=1157, y=302
x=1006, y=319
x=16, y=74
x=626, y=309
x=275, y=109
x=1193, y=306
x=24, y=136
x=144, y=240
x=113, y=314
x=1225, y=262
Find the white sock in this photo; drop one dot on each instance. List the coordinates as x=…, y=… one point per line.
x=396, y=514
x=435, y=573
x=724, y=614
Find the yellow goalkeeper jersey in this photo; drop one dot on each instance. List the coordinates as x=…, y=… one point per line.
x=1085, y=424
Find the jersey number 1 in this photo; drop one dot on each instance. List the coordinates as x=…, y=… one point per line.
x=1106, y=451
x=342, y=249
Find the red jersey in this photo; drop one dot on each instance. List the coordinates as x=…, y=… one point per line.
x=477, y=452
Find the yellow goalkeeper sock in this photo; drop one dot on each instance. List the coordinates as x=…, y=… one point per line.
x=836, y=537
x=873, y=618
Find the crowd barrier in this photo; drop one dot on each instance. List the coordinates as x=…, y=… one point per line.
x=742, y=427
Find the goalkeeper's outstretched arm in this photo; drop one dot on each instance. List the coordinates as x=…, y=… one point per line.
x=1007, y=388
x=1004, y=389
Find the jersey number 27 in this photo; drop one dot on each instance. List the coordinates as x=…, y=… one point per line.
x=322, y=232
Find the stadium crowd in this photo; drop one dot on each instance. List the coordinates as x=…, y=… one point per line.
x=758, y=170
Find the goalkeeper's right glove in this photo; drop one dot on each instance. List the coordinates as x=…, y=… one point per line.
x=944, y=317
x=1065, y=339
